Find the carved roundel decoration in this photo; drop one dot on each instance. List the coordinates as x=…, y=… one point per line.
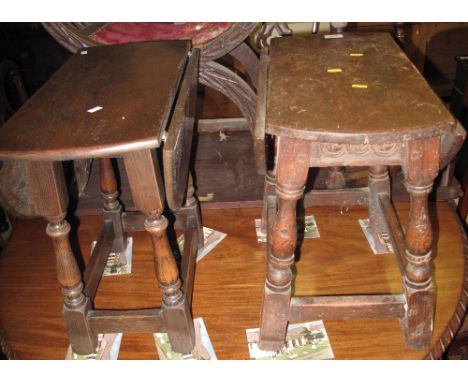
x=333, y=150
x=385, y=149
x=358, y=149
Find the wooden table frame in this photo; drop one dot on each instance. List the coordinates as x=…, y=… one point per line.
x=83, y=322
x=49, y=193
x=296, y=151
x=413, y=251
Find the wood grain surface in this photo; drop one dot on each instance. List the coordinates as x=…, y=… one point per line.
x=229, y=284
x=134, y=84
x=372, y=89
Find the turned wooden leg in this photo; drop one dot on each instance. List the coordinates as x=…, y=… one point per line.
x=292, y=168
x=76, y=304
x=177, y=317
x=421, y=169
x=112, y=209
x=400, y=34
x=147, y=190
x=336, y=178
x=379, y=183
x=50, y=200
x=192, y=208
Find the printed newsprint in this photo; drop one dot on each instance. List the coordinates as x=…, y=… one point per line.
x=108, y=349
x=118, y=263
x=306, y=340
x=211, y=239
x=203, y=347
x=380, y=246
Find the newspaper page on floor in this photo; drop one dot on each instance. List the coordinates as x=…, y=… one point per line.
x=307, y=340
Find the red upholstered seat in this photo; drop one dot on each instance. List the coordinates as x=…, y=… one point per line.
x=117, y=33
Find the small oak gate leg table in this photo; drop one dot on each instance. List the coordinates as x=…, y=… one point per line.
x=117, y=101
x=350, y=100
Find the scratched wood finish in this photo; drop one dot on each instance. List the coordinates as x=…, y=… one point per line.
x=135, y=107
x=303, y=309
x=229, y=284
x=397, y=99
x=147, y=191
x=421, y=169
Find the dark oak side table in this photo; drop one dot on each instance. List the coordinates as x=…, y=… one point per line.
x=116, y=101
x=350, y=100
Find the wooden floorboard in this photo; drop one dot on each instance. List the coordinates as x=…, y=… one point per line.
x=228, y=284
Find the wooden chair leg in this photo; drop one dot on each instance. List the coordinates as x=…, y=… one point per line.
x=50, y=200
x=379, y=183
x=112, y=209
x=176, y=311
x=76, y=304
x=421, y=169
x=291, y=176
x=147, y=191
x=193, y=211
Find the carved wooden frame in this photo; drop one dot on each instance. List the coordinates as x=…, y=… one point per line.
x=415, y=306
x=421, y=157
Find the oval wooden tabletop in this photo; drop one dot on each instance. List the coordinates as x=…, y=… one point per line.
x=361, y=87
x=229, y=284
x=104, y=100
